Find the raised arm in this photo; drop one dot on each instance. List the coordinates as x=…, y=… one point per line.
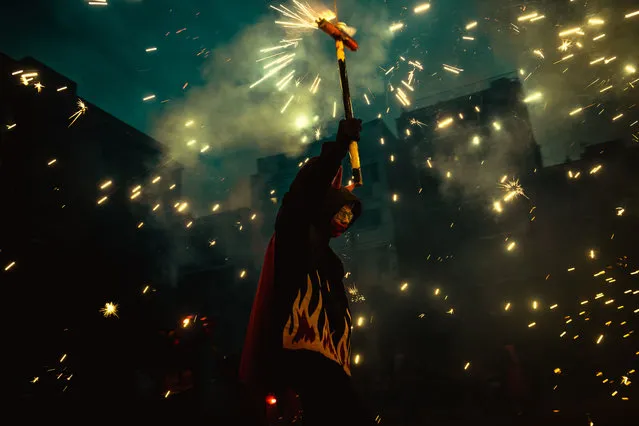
x=309, y=187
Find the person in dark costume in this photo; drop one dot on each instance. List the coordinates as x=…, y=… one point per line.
x=297, y=344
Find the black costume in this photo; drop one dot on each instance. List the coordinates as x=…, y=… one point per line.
x=300, y=327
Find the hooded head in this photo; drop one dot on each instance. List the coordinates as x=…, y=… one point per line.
x=339, y=210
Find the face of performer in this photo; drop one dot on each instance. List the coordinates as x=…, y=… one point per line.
x=341, y=220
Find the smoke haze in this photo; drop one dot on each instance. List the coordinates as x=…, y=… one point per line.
x=235, y=124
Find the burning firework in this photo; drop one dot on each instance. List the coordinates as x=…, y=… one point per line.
x=513, y=189
x=110, y=309
x=82, y=109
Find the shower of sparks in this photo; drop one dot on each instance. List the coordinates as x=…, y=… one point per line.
x=299, y=17
x=281, y=85
x=110, y=309
x=355, y=294
x=403, y=77
x=513, y=189
x=401, y=96
x=82, y=109
x=302, y=15
x=272, y=72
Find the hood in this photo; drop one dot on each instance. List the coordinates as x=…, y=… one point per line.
x=334, y=200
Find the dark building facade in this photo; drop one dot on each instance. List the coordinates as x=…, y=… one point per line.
x=452, y=155
x=219, y=275
x=503, y=259
x=89, y=214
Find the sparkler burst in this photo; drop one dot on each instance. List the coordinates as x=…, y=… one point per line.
x=356, y=296
x=82, y=109
x=110, y=309
x=513, y=190
x=278, y=62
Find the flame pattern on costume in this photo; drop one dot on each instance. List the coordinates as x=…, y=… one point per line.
x=302, y=330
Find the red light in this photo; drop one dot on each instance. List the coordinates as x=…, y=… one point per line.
x=271, y=400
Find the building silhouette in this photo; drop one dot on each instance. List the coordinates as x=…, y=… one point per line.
x=89, y=217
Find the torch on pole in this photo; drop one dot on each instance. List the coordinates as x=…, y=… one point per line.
x=342, y=39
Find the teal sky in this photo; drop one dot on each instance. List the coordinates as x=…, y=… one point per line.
x=103, y=48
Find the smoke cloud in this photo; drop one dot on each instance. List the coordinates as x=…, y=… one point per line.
x=219, y=129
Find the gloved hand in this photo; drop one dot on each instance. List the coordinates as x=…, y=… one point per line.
x=349, y=131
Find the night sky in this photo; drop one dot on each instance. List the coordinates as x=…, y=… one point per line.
x=103, y=48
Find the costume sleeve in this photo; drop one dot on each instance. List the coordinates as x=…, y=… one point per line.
x=309, y=187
